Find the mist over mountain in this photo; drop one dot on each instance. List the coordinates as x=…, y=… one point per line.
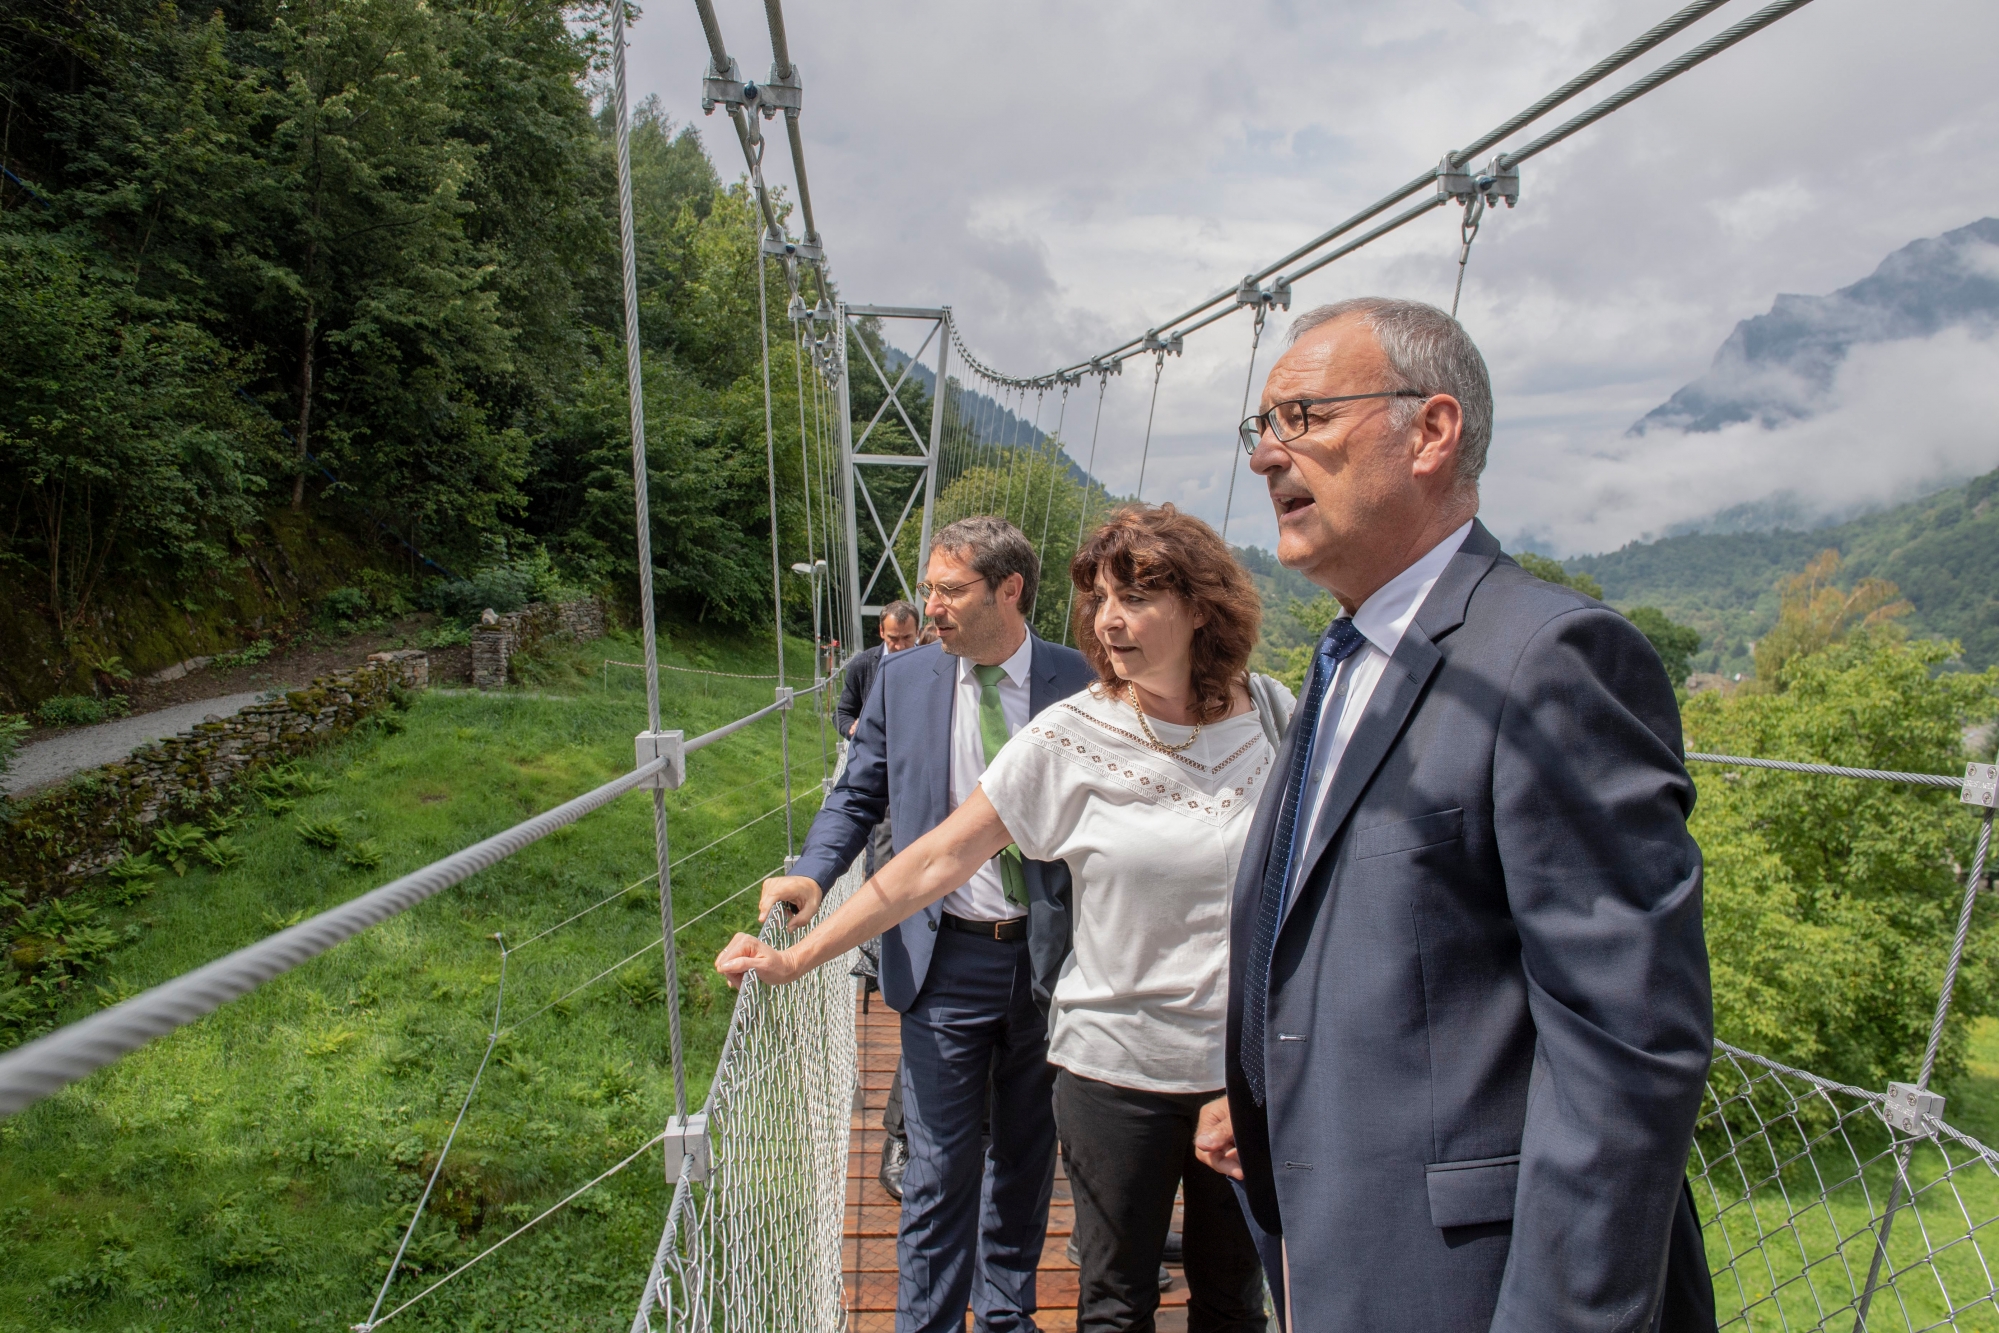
x=1779, y=367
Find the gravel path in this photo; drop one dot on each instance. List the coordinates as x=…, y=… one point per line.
x=56, y=758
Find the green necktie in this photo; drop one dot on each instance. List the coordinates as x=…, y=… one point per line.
x=993, y=734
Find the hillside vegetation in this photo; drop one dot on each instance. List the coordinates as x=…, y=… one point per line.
x=1942, y=552
x=256, y=1170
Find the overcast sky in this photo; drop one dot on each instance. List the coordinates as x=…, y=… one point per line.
x=1064, y=175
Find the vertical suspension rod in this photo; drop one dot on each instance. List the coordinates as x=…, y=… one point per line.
x=634, y=383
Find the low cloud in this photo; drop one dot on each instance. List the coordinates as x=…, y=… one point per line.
x=1902, y=418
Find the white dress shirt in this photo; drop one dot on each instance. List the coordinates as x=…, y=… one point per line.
x=1382, y=620
x=983, y=897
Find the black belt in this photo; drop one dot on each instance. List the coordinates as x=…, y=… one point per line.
x=1014, y=929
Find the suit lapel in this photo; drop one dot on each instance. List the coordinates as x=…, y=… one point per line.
x=1395, y=696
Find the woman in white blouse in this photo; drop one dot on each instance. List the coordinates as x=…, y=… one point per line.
x=1145, y=784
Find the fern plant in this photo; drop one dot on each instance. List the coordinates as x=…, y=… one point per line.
x=176, y=845
x=325, y=834
x=364, y=855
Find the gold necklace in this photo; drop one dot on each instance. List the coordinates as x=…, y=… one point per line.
x=1131, y=693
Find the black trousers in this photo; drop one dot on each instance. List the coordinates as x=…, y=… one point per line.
x=1126, y=1152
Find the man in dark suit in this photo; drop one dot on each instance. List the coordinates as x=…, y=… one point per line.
x=898, y=627
x=1469, y=1016
x=971, y=975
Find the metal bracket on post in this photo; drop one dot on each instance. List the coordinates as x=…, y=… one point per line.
x=668, y=745
x=684, y=1139
x=1500, y=180
x=786, y=697
x=724, y=87
x=1981, y=786
x=1907, y=1107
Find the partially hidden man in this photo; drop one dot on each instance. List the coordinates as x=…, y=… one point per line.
x=1469, y=1013
x=971, y=975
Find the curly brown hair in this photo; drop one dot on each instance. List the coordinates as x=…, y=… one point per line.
x=1157, y=546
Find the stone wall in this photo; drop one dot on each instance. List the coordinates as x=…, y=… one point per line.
x=55, y=840
x=497, y=638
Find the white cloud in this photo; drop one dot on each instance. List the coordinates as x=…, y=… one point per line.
x=1064, y=175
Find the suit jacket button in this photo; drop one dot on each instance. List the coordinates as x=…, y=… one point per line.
x=933, y=925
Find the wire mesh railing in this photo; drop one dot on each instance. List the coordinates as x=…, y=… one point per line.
x=752, y=1238
x=1833, y=1207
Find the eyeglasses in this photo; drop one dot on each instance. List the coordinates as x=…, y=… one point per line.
x=950, y=592
x=1287, y=421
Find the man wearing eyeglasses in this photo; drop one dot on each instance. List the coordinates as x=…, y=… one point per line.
x=970, y=975
x=1469, y=1014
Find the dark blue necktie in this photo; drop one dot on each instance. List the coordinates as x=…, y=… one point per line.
x=1341, y=641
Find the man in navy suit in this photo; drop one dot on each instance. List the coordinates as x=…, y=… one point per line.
x=971, y=975
x=1469, y=1015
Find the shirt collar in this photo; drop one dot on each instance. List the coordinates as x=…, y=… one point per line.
x=1016, y=667
x=1386, y=616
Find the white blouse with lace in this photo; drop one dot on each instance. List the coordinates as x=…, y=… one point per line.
x=1152, y=842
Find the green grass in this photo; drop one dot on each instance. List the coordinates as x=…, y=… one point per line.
x=255, y=1170
x=1796, y=1226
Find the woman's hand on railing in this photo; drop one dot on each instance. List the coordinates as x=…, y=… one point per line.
x=747, y=953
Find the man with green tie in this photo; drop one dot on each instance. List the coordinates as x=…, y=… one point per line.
x=970, y=975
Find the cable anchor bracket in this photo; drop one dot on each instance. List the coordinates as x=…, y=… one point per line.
x=668, y=745
x=786, y=698
x=781, y=94
x=687, y=1138
x=1455, y=181
x=1276, y=296
x=1154, y=343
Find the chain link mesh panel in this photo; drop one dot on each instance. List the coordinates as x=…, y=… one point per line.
x=1819, y=1215
x=756, y=1248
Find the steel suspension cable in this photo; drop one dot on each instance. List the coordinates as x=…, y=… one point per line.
x=1089, y=489
x=1158, y=368
x=776, y=577
x=1248, y=381
x=635, y=393
x=1054, y=471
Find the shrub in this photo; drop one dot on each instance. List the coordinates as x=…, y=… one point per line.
x=248, y=655
x=81, y=710
x=12, y=727
x=1831, y=904
x=504, y=584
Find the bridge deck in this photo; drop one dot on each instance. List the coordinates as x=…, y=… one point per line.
x=869, y=1249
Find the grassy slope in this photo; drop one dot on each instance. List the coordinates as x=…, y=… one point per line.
x=1942, y=551
x=255, y=1169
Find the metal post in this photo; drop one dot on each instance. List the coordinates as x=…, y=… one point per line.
x=847, y=492
x=936, y=445
x=643, y=504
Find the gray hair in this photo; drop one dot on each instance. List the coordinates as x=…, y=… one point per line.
x=1426, y=350
x=901, y=610
x=997, y=548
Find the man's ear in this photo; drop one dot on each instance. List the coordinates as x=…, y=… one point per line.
x=1434, y=434
x=1010, y=588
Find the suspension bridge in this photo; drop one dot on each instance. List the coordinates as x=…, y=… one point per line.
x=1826, y=1206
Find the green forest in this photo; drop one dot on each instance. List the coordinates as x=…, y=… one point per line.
x=291, y=294
x=1942, y=552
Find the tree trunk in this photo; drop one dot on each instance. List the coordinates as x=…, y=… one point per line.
x=306, y=341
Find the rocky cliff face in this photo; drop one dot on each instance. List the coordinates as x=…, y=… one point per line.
x=1778, y=367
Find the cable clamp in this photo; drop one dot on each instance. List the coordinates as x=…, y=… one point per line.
x=1499, y=180
x=724, y=87
x=1908, y=1106
x=687, y=1151
x=1154, y=343
x=785, y=94
x=798, y=312
x=791, y=863
x=1981, y=786
x=786, y=696
x=1276, y=295
x=1455, y=181
x=668, y=745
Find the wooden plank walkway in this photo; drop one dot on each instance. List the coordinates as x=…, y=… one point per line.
x=872, y=1216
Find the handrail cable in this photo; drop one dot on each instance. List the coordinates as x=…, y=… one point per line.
x=1829, y=770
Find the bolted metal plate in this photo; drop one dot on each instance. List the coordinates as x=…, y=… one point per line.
x=1908, y=1105
x=668, y=745
x=1981, y=785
